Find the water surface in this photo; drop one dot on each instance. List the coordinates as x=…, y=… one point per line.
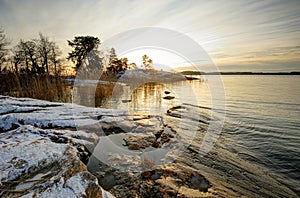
x=261, y=125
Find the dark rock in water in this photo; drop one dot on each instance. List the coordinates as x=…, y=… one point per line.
x=191, y=78
x=107, y=181
x=167, y=92
x=176, y=107
x=134, y=146
x=168, y=97
x=165, y=138
x=199, y=182
x=176, y=115
x=176, y=111
x=139, y=141
x=173, y=180
x=147, y=174
x=148, y=164
x=155, y=176
x=126, y=101
x=154, y=139
x=155, y=144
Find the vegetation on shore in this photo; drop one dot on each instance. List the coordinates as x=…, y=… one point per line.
x=45, y=87
x=35, y=68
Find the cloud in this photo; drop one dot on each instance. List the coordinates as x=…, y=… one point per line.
x=233, y=28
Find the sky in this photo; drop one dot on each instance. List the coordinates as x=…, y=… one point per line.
x=237, y=35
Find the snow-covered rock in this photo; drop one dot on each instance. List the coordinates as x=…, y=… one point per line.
x=43, y=114
x=32, y=165
x=43, y=151
x=146, y=76
x=44, y=146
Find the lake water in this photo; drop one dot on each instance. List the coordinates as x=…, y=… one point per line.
x=258, y=148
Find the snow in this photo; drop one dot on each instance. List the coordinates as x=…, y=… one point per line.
x=106, y=194
x=21, y=150
x=137, y=75
x=112, y=119
x=73, y=187
x=58, y=191
x=45, y=114
x=28, y=149
x=77, y=184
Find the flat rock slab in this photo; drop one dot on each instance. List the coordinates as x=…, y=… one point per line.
x=43, y=151
x=43, y=114
x=32, y=165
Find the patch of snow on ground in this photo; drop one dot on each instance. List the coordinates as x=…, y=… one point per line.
x=26, y=150
x=111, y=119
x=14, y=112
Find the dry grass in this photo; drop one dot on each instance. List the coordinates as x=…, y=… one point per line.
x=51, y=88
x=103, y=93
x=44, y=87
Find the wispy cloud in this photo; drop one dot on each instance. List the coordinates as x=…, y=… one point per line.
x=243, y=29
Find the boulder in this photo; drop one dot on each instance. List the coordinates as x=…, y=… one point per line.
x=139, y=141
x=33, y=165
x=169, y=97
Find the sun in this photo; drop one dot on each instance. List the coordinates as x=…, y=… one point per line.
x=162, y=58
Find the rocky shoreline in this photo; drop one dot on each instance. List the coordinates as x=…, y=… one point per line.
x=51, y=150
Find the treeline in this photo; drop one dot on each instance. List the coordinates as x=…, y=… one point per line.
x=40, y=56
x=34, y=56
x=87, y=58
x=35, y=68
x=32, y=68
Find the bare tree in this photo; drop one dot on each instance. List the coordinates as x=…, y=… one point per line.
x=17, y=58
x=37, y=55
x=43, y=47
x=147, y=62
x=55, y=53
x=25, y=53
x=112, y=55
x=29, y=48
x=3, y=48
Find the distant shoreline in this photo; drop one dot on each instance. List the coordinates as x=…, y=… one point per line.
x=239, y=73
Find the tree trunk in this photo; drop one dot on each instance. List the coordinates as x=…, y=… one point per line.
x=47, y=66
